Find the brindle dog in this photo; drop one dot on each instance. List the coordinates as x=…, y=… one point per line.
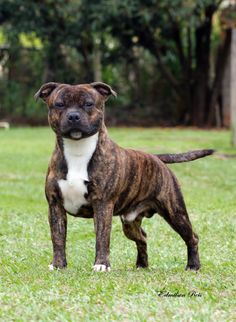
x=90, y=176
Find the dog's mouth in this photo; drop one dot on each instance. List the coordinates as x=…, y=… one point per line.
x=73, y=134
x=77, y=132
x=76, y=135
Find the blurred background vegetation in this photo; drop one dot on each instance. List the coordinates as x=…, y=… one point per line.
x=165, y=58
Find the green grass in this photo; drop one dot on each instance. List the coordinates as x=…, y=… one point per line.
x=30, y=292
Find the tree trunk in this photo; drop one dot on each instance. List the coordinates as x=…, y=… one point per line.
x=54, y=63
x=226, y=95
x=200, y=98
x=97, y=66
x=201, y=77
x=233, y=85
x=215, y=116
x=88, y=72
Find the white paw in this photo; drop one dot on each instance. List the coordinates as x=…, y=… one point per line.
x=52, y=268
x=101, y=268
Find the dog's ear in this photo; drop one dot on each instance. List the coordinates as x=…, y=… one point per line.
x=103, y=89
x=45, y=90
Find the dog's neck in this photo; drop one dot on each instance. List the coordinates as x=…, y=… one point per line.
x=78, y=154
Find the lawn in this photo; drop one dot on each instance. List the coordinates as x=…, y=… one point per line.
x=30, y=292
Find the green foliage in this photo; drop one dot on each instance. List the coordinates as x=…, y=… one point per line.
x=2, y=37
x=142, y=45
x=30, y=41
x=30, y=292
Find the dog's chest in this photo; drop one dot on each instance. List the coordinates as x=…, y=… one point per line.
x=73, y=188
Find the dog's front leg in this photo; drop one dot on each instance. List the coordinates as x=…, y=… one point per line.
x=103, y=213
x=58, y=225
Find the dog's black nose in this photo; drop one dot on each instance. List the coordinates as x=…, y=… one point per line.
x=73, y=117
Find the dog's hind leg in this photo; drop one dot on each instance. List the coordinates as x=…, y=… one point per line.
x=173, y=210
x=134, y=231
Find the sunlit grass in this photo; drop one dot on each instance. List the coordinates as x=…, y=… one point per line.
x=29, y=292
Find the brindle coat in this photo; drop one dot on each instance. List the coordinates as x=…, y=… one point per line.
x=123, y=182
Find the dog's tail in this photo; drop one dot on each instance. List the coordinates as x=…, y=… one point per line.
x=184, y=157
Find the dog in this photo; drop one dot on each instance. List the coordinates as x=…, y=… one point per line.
x=90, y=176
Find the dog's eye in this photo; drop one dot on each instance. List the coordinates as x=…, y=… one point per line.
x=59, y=105
x=89, y=104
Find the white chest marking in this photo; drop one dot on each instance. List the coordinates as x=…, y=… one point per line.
x=77, y=155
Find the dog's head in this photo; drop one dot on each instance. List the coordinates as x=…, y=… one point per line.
x=75, y=111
